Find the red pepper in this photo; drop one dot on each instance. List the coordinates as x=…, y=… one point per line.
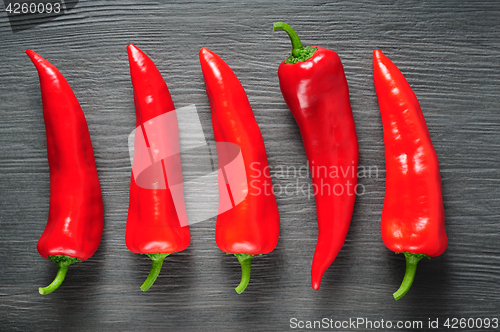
x=252, y=226
x=75, y=223
x=413, y=213
x=153, y=225
x=315, y=89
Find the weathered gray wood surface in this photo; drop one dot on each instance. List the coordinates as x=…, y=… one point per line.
x=449, y=52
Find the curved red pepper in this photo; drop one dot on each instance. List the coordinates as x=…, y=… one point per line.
x=315, y=89
x=251, y=227
x=153, y=225
x=413, y=213
x=75, y=223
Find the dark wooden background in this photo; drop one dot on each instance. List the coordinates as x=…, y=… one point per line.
x=449, y=52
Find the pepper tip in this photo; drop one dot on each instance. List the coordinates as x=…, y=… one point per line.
x=31, y=54
x=134, y=52
x=315, y=285
x=206, y=54
x=204, y=50
x=377, y=54
x=316, y=276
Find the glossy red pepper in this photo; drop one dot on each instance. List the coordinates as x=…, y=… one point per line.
x=153, y=225
x=252, y=226
x=75, y=223
x=413, y=213
x=315, y=89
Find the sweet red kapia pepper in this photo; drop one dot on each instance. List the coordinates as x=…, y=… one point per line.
x=75, y=223
x=153, y=223
x=413, y=213
x=315, y=89
x=251, y=227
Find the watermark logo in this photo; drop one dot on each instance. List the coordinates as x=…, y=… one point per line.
x=28, y=14
x=156, y=149
x=329, y=180
x=213, y=177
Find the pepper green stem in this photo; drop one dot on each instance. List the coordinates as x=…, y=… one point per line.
x=299, y=53
x=63, y=262
x=246, y=264
x=157, y=259
x=411, y=268
x=294, y=37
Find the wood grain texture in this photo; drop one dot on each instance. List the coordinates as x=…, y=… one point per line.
x=449, y=53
